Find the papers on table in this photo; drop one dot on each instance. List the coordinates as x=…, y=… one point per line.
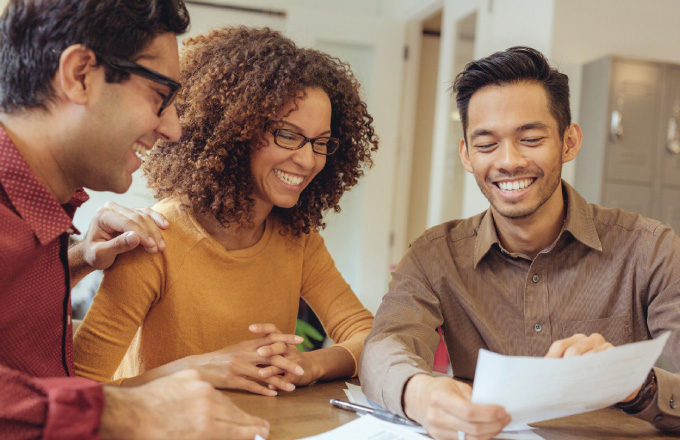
x=370, y=428
x=534, y=389
x=355, y=395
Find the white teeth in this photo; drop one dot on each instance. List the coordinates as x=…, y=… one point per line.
x=290, y=179
x=514, y=186
x=140, y=150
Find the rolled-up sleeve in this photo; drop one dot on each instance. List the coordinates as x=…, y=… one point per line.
x=49, y=408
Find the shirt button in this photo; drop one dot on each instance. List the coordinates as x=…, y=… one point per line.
x=538, y=327
x=535, y=278
x=658, y=418
x=672, y=403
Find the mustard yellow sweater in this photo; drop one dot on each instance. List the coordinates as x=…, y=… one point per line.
x=197, y=297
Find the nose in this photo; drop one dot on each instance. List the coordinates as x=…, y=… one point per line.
x=510, y=156
x=305, y=156
x=168, y=127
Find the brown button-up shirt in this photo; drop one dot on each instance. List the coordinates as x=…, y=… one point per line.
x=608, y=271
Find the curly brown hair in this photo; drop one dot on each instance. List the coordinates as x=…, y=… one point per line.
x=235, y=80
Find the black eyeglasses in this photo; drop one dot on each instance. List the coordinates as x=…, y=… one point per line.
x=291, y=140
x=127, y=66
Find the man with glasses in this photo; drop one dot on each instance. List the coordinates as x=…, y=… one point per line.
x=86, y=87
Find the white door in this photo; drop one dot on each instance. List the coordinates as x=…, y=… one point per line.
x=359, y=237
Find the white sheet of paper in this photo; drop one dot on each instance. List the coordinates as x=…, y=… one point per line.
x=533, y=389
x=355, y=395
x=368, y=428
x=514, y=432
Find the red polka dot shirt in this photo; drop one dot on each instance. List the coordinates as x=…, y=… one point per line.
x=38, y=395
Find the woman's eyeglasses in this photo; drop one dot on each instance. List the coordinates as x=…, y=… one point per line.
x=291, y=140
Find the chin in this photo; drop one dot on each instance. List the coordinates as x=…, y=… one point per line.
x=286, y=204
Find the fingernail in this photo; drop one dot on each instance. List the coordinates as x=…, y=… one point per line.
x=129, y=237
x=262, y=352
x=162, y=244
x=290, y=387
x=273, y=393
x=299, y=370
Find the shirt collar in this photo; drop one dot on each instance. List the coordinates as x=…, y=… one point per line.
x=579, y=222
x=580, y=219
x=30, y=197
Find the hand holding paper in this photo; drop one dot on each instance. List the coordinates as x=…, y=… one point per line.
x=535, y=389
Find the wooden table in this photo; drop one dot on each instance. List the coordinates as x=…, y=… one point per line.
x=306, y=412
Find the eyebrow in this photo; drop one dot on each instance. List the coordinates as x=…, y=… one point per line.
x=529, y=126
x=300, y=128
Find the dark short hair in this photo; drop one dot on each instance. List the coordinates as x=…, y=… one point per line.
x=514, y=65
x=235, y=81
x=33, y=33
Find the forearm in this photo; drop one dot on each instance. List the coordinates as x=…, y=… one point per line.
x=330, y=363
x=162, y=371
x=76, y=262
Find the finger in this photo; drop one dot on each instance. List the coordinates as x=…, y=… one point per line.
x=279, y=382
x=276, y=348
x=107, y=250
x=269, y=371
x=273, y=338
x=117, y=219
x=157, y=217
x=245, y=427
x=585, y=345
x=477, y=421
x=287, y=365
x=558, y=348
x=266, y=328
x=241, y=383
x=602, y=347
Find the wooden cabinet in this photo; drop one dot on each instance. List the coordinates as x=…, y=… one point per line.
x=630, y=115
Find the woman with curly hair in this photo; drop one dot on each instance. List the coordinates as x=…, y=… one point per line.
x=273, y=135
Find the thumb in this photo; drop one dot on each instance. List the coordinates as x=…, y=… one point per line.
x=123, y=243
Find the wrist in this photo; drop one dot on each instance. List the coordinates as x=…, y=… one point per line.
x=121, y=417
x=644, y=397
x=412, y=397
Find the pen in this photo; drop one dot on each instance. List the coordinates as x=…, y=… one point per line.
x=379, y=413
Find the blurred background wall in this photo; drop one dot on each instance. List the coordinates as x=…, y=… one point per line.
x=406, y=54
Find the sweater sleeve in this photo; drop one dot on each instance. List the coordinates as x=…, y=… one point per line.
x=127, y=292
x=64, y=407
x=346, y=321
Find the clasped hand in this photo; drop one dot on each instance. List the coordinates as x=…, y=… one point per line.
x=262, y=366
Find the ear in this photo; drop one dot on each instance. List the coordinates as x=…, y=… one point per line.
x=573, y=138
x=464, y=155
x=74, y=79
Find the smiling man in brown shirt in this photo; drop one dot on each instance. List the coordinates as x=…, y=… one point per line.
x=540, y=273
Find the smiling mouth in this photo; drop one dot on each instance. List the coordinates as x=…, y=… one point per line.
x=290, y=179
x=515, y=185
x=140, y=150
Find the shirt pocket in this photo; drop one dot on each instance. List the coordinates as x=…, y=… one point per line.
x=615, y=329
